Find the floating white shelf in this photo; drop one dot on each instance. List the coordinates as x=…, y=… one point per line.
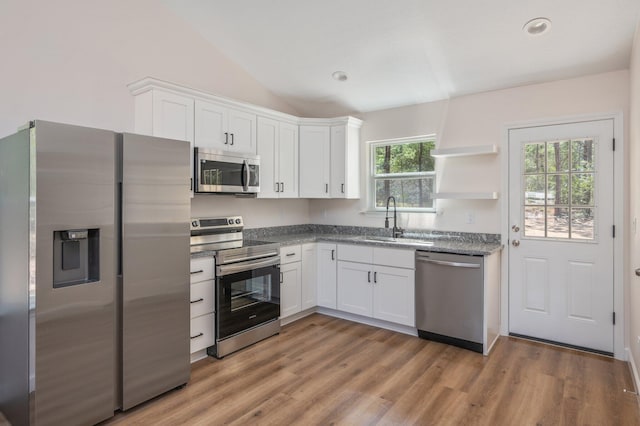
x=466, y=195
x=465, y=151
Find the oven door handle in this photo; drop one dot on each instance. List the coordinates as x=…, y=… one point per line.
x=234, y=268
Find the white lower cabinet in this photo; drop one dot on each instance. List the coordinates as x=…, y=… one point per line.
x=290, y=289
x=309, y=263
x=374, y=290
x=202, y=304
x=202, y=333
x=326, y=285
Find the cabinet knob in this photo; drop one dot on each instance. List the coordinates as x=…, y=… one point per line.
x=515, y=243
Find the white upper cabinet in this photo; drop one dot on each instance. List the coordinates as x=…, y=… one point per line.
x=223, y=128
x=278, y=150
x=345, y=161
x=330, y=159
x=315, y=157
x=300, y=157
x=166, y=115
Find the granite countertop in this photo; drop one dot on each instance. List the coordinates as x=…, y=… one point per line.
x=414, y=239
x=441, y=244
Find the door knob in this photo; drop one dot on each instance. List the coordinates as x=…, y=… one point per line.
x=515, y=228
x=515, y=243
x=638, y=272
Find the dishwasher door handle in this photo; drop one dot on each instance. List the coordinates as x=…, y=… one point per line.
x=445, y=263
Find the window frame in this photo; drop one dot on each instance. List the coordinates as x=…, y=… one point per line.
x=373, y=177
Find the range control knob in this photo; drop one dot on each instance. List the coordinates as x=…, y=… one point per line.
x=230, y=221
x=194, y=223
x=238, y=221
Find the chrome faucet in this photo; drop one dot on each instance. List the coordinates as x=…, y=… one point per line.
x=397, y=232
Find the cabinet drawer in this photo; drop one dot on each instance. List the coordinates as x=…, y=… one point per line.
x=202, y=296
x=399, y=258
x=290, y=254
x=353, y=253
x=202, y=269
x=202, y=334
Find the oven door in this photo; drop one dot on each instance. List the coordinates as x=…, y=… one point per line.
x=224, y=173
x=247, y=294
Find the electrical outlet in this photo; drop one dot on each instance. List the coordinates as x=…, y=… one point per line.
x=471, y=217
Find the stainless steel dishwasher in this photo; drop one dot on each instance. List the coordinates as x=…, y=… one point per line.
x=450, y=298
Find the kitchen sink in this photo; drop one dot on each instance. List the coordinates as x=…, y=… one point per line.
x=392, y=240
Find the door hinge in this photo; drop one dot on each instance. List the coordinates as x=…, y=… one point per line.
x=614, y=144
x=614, y=231
x=614, y=318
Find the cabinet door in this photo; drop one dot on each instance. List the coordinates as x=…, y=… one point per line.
x=355, y=290
x=242, y=131
x=173, y=119
x=309, y=276
x=288, y=161
x=338, y=161
x=393, y=295
x=211, y=126
x=290, y=289
x=315, y=147
x=268, y=135
x=327, y=275
x=202, y=332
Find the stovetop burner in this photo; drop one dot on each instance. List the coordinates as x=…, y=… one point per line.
x=223, y=237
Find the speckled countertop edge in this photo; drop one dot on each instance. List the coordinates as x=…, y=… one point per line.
x=445, y=242
x=439, y=245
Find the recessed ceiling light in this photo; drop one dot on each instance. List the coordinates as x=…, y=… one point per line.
x=340, y=76
x=537, y=26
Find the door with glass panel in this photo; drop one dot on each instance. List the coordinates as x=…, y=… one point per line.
x=561, y=233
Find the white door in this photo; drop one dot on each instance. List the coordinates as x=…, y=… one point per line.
x=211, y=125
x=315, y=147
x=242, y=131
x=288, y=160
x=290, y=289
x=561, y=233
x=268, y=135
x=309, y=262
x=338, y=159
x=355, y=291
x=394, y=295
x=327, y=275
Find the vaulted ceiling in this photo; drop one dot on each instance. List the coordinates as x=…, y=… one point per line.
x=404, y=52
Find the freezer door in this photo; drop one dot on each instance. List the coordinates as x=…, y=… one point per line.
x=74, y=320
x=155, y=266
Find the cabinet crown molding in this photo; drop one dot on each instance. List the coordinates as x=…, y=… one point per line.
x=150, y=83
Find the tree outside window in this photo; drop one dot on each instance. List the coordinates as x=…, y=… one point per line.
x=405, y=170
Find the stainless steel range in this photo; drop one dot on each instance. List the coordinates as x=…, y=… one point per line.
x=247, y=283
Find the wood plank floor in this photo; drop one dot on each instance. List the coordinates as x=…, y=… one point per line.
x=323, y=370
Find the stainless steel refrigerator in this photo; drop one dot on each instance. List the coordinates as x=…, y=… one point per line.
x=94, y=272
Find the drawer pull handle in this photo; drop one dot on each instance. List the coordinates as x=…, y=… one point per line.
x=196, y=301
x=290, y=254
x=197, y=335
x=333, y=255
x=197, y=272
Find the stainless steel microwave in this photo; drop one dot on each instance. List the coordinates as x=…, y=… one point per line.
x=226, y=172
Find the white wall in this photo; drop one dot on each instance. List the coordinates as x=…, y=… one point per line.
x=70, y=61
x=633, y=292
x=477, y=119
x=256, y=213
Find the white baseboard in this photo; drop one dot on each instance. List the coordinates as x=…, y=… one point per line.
x=197, y=356
x=634, y=370
x=299, y=315
x=369, y=321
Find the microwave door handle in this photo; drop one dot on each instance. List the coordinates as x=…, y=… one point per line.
x=247, y=175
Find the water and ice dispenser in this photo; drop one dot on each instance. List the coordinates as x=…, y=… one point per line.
x=76, y=257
